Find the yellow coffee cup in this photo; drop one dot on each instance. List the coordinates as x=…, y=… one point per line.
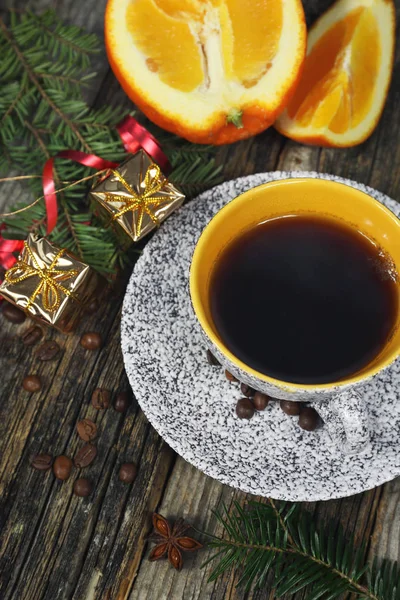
x=338, y=402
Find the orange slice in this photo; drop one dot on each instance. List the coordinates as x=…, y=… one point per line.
x=213, y=71
x=346, y=75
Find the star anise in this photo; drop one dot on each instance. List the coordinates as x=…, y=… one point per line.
x=171, y=541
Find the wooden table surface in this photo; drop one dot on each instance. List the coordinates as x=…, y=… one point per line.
x=56, y=546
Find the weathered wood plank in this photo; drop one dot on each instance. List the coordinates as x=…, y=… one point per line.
x=385, y=540
x=47, y=530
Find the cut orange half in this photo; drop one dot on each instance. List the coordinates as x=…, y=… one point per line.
x=212, y=71
x=346, y=75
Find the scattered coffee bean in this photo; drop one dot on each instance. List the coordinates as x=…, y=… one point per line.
x=308, y=418
x=85, y=456
x=247, y=390
x=231, y=377
x=122, y=402
x=91, y=340
x=212, y=360
x=245, y=408
x=86, y=429
x=12, y=313
x=31, y=336
x=101, y=399
x=62, y=467
x=92, y=307
x=82, y=487
x=290, y=408
x=32, y=383
x=42, y=462
x=48, y=350
x=127, y=472
x=260, y=401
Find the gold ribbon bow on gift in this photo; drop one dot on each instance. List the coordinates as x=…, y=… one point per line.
x=144, y=202
x=50, y=277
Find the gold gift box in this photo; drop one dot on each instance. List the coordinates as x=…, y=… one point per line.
x=50, y=284
x=136, y=195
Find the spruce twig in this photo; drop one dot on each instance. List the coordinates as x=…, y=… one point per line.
x=45, y=66
x=282, y=522
x=283, y=540
x=42, y=92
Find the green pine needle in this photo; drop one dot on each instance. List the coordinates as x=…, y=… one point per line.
x=44, y=69
x=283, y=540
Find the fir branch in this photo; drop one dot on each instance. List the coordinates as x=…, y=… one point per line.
x=38, y=138
x=266, y=538
x=64, y=80
x=278, y=514
x=45, y=66
x=40, y=89
x=72, y=230
x=13, y=104
x=72, y=37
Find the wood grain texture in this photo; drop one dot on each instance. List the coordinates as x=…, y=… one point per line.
x=54, y=546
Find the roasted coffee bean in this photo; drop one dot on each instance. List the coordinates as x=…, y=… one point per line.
x=212, y=360
x=309, y=418
x=31, y=336
x=91, y=340
x=231, y=377
x=62, y=467
x=42, y=462
x=122, y=402
x=12, y=313
x=32, y=383
x=245, y=408
x=85, y=456
x=92, y=306
x=48, y=350
x=260, y=401
x=82, y=487
x=247, y=390
x=127, y=472
x=86, y=429
x=101, y=399
x=290, y=408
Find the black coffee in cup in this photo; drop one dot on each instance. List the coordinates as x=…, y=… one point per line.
x=304, y=299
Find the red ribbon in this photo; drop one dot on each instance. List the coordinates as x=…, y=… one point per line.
x=134, y=137
x=49, y=188
x=7, y=249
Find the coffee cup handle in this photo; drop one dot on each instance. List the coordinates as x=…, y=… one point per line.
x=346, y=418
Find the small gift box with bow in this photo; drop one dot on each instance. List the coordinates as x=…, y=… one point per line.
x=136, y=195
x=50, y=284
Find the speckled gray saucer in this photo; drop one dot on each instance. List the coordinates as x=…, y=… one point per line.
x=192, y=405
